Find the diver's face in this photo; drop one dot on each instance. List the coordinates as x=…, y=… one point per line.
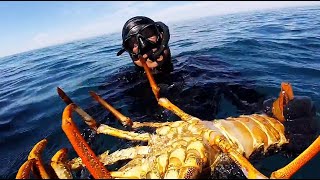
x=148, y=37
x=151, y=64
x=135, y=48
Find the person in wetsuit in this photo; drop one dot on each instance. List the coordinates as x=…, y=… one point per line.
x=141, y=36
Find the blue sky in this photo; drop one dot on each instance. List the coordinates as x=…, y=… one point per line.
x=31, y=25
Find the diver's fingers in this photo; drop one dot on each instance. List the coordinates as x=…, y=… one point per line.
x=160, y=58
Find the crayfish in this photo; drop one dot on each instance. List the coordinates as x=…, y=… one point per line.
x=188, y=148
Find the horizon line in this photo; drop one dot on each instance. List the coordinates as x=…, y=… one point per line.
x=171, y=22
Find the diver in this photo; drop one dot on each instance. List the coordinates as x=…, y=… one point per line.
x=141, y=36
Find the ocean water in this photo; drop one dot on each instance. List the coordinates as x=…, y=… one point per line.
x=223, y=66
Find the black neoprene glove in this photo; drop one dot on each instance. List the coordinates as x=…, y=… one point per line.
x=299, y=122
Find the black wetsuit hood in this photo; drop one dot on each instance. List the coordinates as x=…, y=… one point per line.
x=133, y=25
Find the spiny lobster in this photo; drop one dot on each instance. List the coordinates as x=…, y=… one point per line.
x=188, y=148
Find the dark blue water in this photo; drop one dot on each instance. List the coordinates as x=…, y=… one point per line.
x=224, y=66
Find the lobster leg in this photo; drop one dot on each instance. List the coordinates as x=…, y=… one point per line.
x=129, y=153
x=126, y=121
x=108, y=159
x=102, y=128
x=35, y=154
x=60, y=166
x=286, y=94
x=150, y=124
x=85, y=116
x=94, y=166
x=154, y=86
x=135, y=169
x=248, y=169
x=164, y=102
x=287, y=171
x=105, y=129
x=24, y=170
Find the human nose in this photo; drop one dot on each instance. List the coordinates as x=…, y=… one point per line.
x=135, y=48
x=153, y=38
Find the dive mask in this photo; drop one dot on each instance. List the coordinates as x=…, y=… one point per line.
x=140, y=38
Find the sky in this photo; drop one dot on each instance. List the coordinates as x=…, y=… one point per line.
x=28, y=25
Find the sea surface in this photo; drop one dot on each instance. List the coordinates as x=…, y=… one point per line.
x=223, y=66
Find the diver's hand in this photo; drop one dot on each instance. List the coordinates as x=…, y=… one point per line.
x=151, y=59
x=151, y=64
x=298, y=107
x=156, y=53
x=298, y=115
x=300, y=123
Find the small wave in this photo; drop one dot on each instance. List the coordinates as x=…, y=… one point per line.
x=108, y=49
x=245, y=42
x=269, y=29
x=45, y=58
x=205, y=31
x=186, y=44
